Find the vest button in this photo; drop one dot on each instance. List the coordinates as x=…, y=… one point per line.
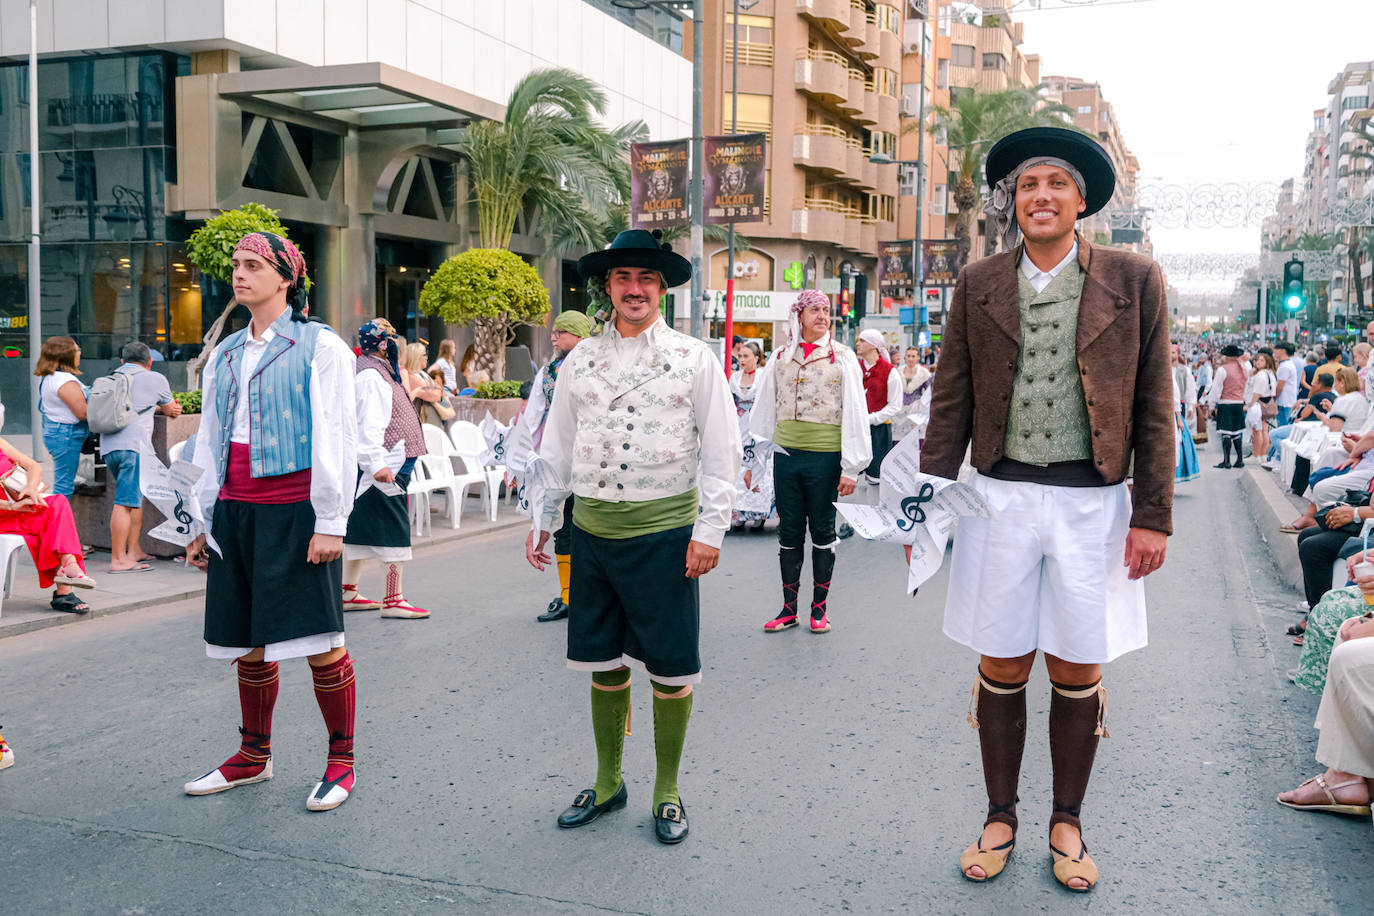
x=1026, y=435
x=1049, y=403
x=666, y=367
x=1051, y=378
x=1025, y=403
x=626, y=446
x=1055, y=325
x=629, y=426
x=601, y=483
x=1031, y=353
x=603, y=464
x=1054, y=351
x=629, y=409
x=1097, y=432
x=624, y=467
x=620, y=486
x=1047, y=434
x=1090, y=402
x=1030, y=380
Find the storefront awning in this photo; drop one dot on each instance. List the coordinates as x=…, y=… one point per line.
x=368, y=96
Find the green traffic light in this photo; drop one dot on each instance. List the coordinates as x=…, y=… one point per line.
x=1295, y=302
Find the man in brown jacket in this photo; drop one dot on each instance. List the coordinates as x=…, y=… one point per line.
x=1055, y=368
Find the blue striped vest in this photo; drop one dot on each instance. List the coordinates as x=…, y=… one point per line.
x=278, y=397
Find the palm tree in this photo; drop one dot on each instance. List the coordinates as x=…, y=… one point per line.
x=977, y=121
x=1355, y=234
x=548, y=162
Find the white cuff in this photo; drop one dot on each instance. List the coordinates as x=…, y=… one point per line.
x=708, y=535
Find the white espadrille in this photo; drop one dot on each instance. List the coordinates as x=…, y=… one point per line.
x=214, y=781
x=327, y=796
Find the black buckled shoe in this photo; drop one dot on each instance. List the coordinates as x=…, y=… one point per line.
x=584, y=808
x=557, y=611
x=670, y=823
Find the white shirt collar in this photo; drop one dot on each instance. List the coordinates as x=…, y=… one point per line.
x=1041, y=278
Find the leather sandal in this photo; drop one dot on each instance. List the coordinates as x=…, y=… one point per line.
x=991, y=861
x=1067, y=867
x=1331, y=804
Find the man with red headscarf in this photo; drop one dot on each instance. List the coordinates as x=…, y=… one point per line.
x=811, y=403
x=278, y=444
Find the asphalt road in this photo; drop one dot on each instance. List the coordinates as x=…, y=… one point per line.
x=821, y=773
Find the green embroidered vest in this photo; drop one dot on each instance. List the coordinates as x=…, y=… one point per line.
x=1048, y=422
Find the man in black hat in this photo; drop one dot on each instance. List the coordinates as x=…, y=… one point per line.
x=1227, y=396
x=1056, y=367
x=643, y=431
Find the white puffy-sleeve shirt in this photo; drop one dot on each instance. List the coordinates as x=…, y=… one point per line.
x=333, y=429
x=893, y=408
x=373, y=401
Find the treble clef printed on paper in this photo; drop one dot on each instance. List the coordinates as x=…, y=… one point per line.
x=498, y=448
x=182, y=516
x=748, y=453
x=912, y=513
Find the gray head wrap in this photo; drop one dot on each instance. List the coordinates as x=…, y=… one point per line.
x=1001, y=207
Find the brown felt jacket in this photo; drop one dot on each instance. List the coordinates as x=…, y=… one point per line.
x=1123, y=361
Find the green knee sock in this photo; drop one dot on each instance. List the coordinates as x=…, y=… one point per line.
x=670, y=731
x=608, y=726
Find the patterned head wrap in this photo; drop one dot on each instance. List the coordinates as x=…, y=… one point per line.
x=286, y=259
x=378, y=336
x=1001, y=207
x=805, y=299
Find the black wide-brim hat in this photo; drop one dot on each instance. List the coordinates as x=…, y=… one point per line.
x=1079, y=150
x=637, y=248
x=1230, y=350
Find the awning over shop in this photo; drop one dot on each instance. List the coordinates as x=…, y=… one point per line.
x=367, y=96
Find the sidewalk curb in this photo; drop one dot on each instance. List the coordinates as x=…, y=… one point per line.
x=66, y=619
x=1271, y=509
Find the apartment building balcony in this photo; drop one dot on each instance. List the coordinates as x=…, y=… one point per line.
x=869, y=115
x=870, y=47
x=854, y=161
x=868, y=173
x=889, y=116
x=832, y=13
x=868, y=238
x=821, y=147
x=821, y=220
x=854, y=101
x=824, y=75
x=854, y=232
x=889, y=49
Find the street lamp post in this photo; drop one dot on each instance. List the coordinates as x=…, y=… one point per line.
x=734, y=129
x=35, y=305
x=698, y=8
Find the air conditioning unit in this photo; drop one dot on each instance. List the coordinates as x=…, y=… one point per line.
x=909, y=108
x=913, y=47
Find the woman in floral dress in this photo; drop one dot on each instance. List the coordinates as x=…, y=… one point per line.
x=755, y=503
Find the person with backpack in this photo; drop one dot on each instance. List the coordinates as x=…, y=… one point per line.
x=121, y=408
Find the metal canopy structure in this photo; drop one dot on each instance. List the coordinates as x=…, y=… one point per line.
x=368, y=96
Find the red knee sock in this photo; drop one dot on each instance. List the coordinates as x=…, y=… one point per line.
x=257, y=695
x=336, y=694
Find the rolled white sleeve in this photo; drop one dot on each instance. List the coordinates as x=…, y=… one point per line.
x=763, y=416
x=372, y=396
x=1213, y=393
x=856, y=446
x=894, y=400
x=721, y=453
x=208, y=435
x=520, y=448
x=333, y=434
x=551, y=469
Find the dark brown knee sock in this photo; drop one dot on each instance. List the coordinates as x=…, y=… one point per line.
x=1077, y=720
x=999, y=714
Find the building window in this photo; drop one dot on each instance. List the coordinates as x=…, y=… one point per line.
x=881, y=207
x=755, y=113
x=885, y=82
x=942, y=74
x=906, y=180
x=937, y=201
x=994, y=62
x=883, y=142
x=887, y=18
x=1085, y=109
x=954, y=94
x=942, y=136
x=961, y=55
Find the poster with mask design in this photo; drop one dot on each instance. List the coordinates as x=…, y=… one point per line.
x=658, y=184
x=734, y=189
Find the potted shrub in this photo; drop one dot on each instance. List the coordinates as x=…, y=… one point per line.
x=494, y=290
x=500, y=399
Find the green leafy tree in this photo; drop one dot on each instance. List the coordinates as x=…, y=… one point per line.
x=496, y=291
x=976, y=121
x=549, y=161
x=211, y=247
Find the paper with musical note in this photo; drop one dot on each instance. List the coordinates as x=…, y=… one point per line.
x=494, y=435
x=172, y=491
x=915, y=509
x=758, y=450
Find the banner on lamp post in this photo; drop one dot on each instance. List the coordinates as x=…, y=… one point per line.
x=896, y=272
x=942, y=260
x=658, y=184
x=734, y=186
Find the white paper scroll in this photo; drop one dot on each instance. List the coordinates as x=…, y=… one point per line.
x=172, y=491
x=758, y=451
x=494, y=435
x=394, y=459
x=915, y=509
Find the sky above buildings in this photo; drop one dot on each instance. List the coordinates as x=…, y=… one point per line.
x=1206, y=90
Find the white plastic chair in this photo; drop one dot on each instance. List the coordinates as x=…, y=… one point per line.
x=468, y=446
x=10, y=546
x=175, y=452
x=1338, y=576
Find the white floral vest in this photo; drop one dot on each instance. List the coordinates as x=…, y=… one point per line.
x=636, y=436
x=811, y=389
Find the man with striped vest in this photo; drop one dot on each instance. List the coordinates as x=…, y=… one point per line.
x=277, y=442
